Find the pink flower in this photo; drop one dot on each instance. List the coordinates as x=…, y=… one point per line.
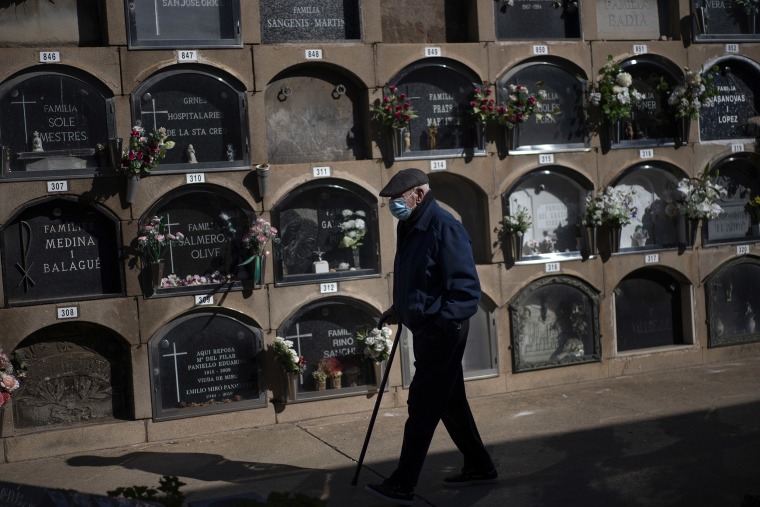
x=8, y=383
x=261, y=239
x=392, y=88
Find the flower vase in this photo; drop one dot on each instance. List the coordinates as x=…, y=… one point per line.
x=684, y=128
x=686, y=231
x=513, y=138
x=755, y=230
x=337, y=381
x=751, y=325
x=156, y=273
x=399, y=142
x=292, y=385
x=2, y=416
x=480, y=135
x=613, y=133
x=355, y=252
x=516, y=246
x=353, y=379
x=378, y=370
x=321, y=385
x=132, y=181
x=613, y=238
x=258, y=266
x=588, y=242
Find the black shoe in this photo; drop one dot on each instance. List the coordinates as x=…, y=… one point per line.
x=391, y=493
x=467, y=478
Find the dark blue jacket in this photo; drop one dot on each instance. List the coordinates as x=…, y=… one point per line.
x=434, y=276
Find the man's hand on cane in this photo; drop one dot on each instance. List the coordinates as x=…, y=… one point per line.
x=388, y=317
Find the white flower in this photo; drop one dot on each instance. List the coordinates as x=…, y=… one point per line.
x=624, y=79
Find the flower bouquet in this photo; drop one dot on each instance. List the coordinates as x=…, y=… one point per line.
x=10, y=375
x=519, y=106
x=332, y=369
x=696, y=92
x=394, y=110
x=255, y=242
x=753, y=208
x=613, y=207
x=145, y=151
x=376, y=343
x=286, y=356
x=697, y=198
x=155, y=239
x=483, y=106
x=517, y=222
x=614, y=93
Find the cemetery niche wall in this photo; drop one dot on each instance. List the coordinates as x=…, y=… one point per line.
x=562, y=125
x=77, y=373
x=315, y=114
x=537, y=19
x=164, y=24
x=633, y=20
x=204, y=112
x=440, y=91
x=211, y=256
x=61, y=249
x=739, y=174
x=324, y=333
x=554, y=197
x=206, y=363
x=733, y=292
x=725, y=20
x=427, y=21
x=55, y=123
x=554, y=321
x=328, y=231
x=652, y=309
x=734, y=114
x=320, y=20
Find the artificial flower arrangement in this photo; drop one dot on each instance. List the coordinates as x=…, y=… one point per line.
x=696, y=92
x=483, y=106
x=546, y=245
x=332, y=368
x=10, y=375
x=753, y=208
x=518, y=221
x=376, y=343
x=155, y=239
x=286, y=356
x=519, y=106
x=697, y=198
x=257, y=238
x=613, y=207
x=191, y=280
x=394, y=110
x=354, y=228
x=614, y=92
x=751, y=6
x=145, y=151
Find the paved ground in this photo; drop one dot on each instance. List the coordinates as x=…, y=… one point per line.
x=686, y=437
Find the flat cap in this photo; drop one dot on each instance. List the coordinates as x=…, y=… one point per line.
x=403, y=181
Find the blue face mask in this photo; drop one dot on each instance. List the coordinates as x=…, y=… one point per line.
x=399, y=209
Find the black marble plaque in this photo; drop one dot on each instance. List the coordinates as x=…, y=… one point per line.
x=555, y=322
x=723, y=20
x=440, y=93
x=537, y=19
x=734, y=111
x=206, y=363
x=60, y=250
x=213, y=223
x=733, y=292
x=328, y=329
x=562, y=108
x=314, y=115
x=311, y=224
x=202, y=114
x=183, y=23
x=648, y=312
x=53, y=124
x=320, y=20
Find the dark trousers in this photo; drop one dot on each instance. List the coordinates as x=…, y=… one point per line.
x=437, y=394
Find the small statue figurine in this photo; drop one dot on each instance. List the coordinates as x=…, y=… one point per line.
x=36, y=142
x=191, y=154
x=320, y=266
x=629, y=131
x=432, y=133
x=230, y=153
x=407, y=141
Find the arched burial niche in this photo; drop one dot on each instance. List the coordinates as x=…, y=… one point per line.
x=328, y=231
x=739, y=174
x=205, y=363
x=554, y=321
x=735, y=113
x=733, y=293
x=440, y=91
x=55, y=123
x=561, y=89
x=214, y=221
x=77, y=373
x=652, y=309
x=61, y=249
x=204, y=111
x=469, y=204
x=315, y=113
x=554, y=197
x=655, y=225
x=480, y=358
x=327, y=328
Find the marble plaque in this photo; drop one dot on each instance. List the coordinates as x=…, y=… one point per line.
x=733, y=114
x=644, y=312
x=629, y=19
x=538, y=19
x=320, y=20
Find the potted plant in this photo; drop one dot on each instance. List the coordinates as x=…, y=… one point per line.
x=512, y=231
x=376, y=346
x=687, y=99
x=753, y=208
x=12, y=371
x=395, y=112
x=254, y=243
x=144, y=153
x=154, y=240
x=693, y=200
x=611, y=209
x=332, y=369
x=354, y=229
x=615, y=95
x=291, y=362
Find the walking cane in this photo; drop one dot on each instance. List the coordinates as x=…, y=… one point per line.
x=377, y=404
